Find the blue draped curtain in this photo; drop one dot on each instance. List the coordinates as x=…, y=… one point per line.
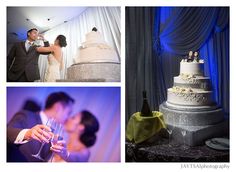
x=178, y=30
x=153, y=61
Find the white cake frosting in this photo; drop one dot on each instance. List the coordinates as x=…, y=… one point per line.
x=191, y=87
x=95, y=61
x=192, y=81
x=93, y=38
x=189, y=97
x=192, y=68
x=95, y=49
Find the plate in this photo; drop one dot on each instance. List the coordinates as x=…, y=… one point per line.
x=218, y=143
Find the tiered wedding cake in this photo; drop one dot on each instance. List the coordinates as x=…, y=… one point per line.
x=190, y=105
x=191, y=87
x=96, y=61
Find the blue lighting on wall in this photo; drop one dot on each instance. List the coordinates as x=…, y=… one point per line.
x=21, y=34
x=169, y=41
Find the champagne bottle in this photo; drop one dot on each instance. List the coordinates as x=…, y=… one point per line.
x=145, y=111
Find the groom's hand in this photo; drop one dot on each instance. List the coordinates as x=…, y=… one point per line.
x=42, y=133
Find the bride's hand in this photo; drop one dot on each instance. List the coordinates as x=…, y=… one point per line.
x=60, y=149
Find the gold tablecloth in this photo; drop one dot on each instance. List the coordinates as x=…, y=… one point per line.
x=141, y=128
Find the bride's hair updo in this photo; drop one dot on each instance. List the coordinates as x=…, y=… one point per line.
x=94, y=29
x=61, y=40
x=91, y=126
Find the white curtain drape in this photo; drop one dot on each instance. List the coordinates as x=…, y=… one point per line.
x=107, y=21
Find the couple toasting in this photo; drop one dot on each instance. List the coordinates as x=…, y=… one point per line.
x=26, y=132
x=22, y=60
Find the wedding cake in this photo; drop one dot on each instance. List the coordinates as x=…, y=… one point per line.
x=96, y=61
x=190, y=105
x=191, y=87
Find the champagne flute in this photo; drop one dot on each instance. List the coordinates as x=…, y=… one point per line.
x=183, y=132
x=170, y=133
x=169, y=129
x=50, y=123
x=57, y=135
x=184, y=121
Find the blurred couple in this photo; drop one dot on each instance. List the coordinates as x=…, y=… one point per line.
x=22, y=60
x=27, y=130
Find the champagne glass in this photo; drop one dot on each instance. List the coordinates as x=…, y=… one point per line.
x=57, y=135
x=50, y=123
x=183, y=132
x=169, y=129
x=183, y=121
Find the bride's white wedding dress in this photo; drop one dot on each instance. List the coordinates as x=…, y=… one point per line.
x=53, y=69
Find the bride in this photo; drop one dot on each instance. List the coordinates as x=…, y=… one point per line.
x=55, y=59
x=81, y=132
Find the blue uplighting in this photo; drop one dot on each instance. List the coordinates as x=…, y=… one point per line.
x=177, y=30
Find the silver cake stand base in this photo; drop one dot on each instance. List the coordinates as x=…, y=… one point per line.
x=193, y=126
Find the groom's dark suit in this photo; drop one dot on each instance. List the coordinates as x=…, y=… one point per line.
x=23, y=152
x=22, y=65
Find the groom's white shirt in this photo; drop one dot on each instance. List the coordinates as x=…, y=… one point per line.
x=21, y=135
x=28, y=44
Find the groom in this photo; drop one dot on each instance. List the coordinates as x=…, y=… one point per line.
x=27, y=129
x=22, y=60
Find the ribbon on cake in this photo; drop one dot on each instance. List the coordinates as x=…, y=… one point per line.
x=141, y=128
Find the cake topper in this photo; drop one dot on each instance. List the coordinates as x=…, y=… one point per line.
x=190, y=56
x=94, y=29
x=196, y=58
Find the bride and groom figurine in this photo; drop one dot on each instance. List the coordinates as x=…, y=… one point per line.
x=22, y=60
x=192, y=57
